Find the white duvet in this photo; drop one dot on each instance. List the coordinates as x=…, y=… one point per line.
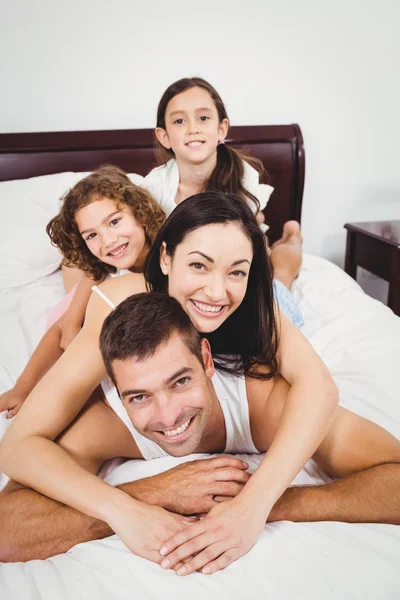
x=359, y=339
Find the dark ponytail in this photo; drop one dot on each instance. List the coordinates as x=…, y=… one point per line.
x=228, y=174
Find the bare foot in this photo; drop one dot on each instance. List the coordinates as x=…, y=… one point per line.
x=286, y=254
x=291, y=235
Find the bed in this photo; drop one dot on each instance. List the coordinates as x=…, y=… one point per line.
x=357, y=337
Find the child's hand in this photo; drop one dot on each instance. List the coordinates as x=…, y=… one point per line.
x=11, y=401
x=69, y=331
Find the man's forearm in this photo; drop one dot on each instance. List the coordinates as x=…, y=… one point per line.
x=35, y=527
x=370, y=496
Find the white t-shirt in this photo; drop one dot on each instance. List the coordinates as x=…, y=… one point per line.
x=162, y=183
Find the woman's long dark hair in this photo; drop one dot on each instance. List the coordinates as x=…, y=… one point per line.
x=249, y=337
x=228, y=173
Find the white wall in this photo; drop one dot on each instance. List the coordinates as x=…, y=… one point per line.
x=331, y=67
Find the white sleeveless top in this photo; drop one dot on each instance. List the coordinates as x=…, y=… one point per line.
x=231, y=394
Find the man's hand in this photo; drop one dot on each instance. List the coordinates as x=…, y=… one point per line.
x=228, y=532
x=194, y=487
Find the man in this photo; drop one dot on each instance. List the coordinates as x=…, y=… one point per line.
x=163, y=374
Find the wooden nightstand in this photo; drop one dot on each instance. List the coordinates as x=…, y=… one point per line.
x=375, y=246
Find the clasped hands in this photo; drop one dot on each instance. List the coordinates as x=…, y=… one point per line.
x=209, y=487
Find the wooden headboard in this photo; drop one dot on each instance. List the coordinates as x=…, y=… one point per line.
x=279, y=147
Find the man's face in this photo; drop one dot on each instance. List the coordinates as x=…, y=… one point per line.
x=168, y=396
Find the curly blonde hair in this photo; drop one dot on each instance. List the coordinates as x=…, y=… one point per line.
x=106, y=182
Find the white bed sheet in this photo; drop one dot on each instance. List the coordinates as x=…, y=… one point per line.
x=359, y=339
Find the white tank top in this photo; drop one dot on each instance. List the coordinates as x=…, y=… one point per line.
x=231, y=393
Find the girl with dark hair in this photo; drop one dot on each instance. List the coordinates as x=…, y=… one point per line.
x=192, y=124
x=210, y=256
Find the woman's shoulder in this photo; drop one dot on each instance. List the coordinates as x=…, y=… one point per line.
x=109, y=294
x=119, y=288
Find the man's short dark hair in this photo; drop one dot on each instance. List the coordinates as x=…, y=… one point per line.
x=141, y=324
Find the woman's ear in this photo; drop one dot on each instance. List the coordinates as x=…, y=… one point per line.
x=207, y=358
x=165, y=259
x=223, y=130
x=163, y=138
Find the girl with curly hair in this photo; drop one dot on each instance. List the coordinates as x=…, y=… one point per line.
x=105, y=228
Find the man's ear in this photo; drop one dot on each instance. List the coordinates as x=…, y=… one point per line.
x=207, y=357
x=165, y=259
x=223, y=130
x=163, y=138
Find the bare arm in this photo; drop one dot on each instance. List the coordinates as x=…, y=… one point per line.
x=306, y=418
x=371, y=496
x=49, y=349
x=50, y=527
x=28, y=453
x=43, y=358
x=366, y=460
x=72, y=320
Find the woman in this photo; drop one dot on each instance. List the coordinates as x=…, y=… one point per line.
x=212, y=252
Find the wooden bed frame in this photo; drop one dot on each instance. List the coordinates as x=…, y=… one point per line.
x=279, y=147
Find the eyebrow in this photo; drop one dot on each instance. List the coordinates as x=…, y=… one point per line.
x=103, y=221
x=211, y=260
x=183, y=371
x=176, y=112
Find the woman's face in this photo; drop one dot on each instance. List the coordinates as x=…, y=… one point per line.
x=209, y=272
x=112, y=234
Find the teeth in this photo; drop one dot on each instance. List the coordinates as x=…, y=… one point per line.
x=207, y=307
x=194, y=143
x=119, y=251
x=177, y=431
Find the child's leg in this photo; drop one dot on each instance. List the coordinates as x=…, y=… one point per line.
x=45, y=355
x=286, y=254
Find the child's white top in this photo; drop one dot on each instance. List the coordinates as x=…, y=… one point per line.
x=162, y=183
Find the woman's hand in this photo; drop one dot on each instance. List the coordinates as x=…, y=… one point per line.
x=143, y=528
x=228, y=532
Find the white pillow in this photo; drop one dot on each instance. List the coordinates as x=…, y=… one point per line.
x=26, y=253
